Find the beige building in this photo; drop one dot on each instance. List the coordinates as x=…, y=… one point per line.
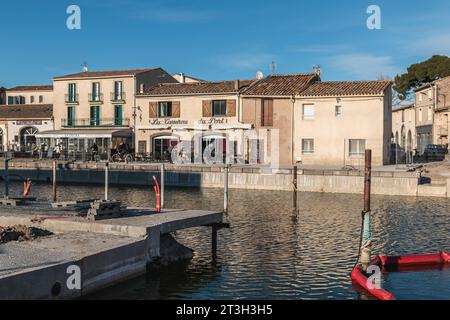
x=334, y=122
x=182, y=78
x=432, y=113
x=19, y=125
x=98, y=106
x=281, y=119
x=40, y=94
x=192, y=116
x=404, y=127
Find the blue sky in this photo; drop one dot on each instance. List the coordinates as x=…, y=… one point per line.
x=218, y=40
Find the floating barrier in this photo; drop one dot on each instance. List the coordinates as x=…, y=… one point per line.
x=398, y=264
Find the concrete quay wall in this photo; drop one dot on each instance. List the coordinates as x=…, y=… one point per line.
x=254, y=178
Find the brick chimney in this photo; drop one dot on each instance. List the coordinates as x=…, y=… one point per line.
x=237, y=85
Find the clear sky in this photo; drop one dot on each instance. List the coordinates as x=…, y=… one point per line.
x=217, y=40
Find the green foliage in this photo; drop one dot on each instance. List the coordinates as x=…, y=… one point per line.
x=421, y=73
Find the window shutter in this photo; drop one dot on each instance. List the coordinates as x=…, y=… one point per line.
x=268, y=113
x=176, y=109
x=207, y=108
x=231, y=108
x=153, y=113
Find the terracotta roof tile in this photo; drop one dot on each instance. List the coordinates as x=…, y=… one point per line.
x=32, y=88
x=346, y=88
x=111, y=73
x=281, y=85
x=26, y=111
x=197, y=88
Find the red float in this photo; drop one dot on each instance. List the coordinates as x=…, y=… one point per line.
x=399, y=263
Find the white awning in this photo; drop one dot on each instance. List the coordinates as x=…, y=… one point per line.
x=82, y=134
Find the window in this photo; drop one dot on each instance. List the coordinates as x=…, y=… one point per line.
x=267, y=113
x=10, y=100
x=219, y=108
x=357, y=147
x=70, y=116
x=308, y=112
x=118, y=90
x=72, y=92
x=41, y=99
x=95, y=116
x=338, y=111
x=32, y=99
x=307, y=146
x=164, y=109
x=96, y=91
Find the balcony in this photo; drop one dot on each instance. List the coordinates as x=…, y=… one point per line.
x=96, y=123
x=118, y=97
x=71, y=99
x=95, y=98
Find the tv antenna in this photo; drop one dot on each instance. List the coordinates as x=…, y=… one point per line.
x=85, y=66
x=273, y=67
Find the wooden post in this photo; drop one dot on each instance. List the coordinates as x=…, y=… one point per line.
x=366, y=234
x=162, y=185
x=294, y=182
x=54, y=181
x=225, y=189
x=214, y=241
x=106, y=180
x=367, y=180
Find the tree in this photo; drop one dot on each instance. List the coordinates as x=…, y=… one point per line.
x=421, y=73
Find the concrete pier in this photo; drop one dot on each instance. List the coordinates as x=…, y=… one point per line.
x=104, y=252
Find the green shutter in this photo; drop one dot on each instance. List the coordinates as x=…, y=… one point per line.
x=95, y=116
x=10, y=100
x=118, y=116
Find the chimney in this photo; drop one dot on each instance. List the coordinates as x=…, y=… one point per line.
x=141, y=88
x=237, y=85
x=182, y=78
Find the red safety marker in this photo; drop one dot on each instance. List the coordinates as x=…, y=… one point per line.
x=26, y=188
x=158, y=195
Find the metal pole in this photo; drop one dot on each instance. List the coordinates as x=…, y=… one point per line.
x=106, y=180
x=294, y=181
x=54, y=182
x=225, y=189
x=367, y=180
x=6, y=177
x=162, y=185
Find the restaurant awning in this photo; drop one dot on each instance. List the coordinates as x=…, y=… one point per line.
x=89, y=134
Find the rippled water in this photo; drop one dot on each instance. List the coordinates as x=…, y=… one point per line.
x=271, y=253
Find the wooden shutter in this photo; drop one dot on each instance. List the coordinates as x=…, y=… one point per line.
x=176, y=109
x=153, y=110
x=207, y=108
x=267, y=113
x=231, y=108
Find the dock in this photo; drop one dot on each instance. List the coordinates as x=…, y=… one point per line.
x=83, y=256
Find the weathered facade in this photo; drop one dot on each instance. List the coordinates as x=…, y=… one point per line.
x=404, y=127
x=39, y=94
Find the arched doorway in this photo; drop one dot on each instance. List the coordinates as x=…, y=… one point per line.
x=409, y=142
x=163, y=146
x=27, y=138
x=403, y=138
x=396, y=138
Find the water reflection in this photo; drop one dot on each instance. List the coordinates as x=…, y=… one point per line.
x=271, y=253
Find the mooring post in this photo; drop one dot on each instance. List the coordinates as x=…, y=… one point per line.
x=214, y=241
x=106, y=180
x=7, y=176
x=162, y=185
x=294, y=182
x=225, y=188
x=54, y=181
x=366, y=236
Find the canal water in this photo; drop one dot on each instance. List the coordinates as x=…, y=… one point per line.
x=272, y=253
